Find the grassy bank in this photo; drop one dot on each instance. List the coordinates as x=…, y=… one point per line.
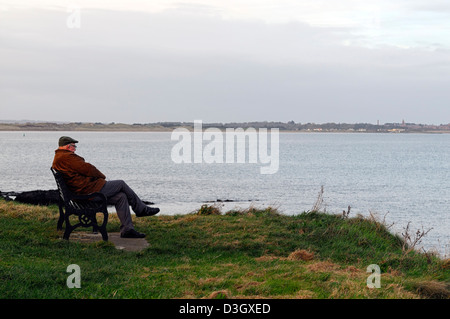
x=245, y=254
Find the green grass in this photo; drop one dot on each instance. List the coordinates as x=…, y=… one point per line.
x=238, y=254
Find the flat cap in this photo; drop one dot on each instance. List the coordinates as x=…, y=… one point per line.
x=64, y=140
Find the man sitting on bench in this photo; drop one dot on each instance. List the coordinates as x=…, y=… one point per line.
x=84, y=178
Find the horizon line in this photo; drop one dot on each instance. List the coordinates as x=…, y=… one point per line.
x=25, y=121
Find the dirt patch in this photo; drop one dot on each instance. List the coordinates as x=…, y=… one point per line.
x=127, y=244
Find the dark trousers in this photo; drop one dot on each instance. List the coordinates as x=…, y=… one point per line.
x=122, y=197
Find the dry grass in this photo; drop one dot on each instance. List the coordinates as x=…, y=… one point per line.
x=28, y=212
x=323, y=266
x=267, y=258
x=301, y=254
x=433, y=290
x=221, y=294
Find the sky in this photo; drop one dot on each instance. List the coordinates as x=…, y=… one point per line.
x=221, y=61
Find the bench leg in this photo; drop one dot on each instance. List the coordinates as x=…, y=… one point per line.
x=102, y=227
x=104, y=234
x=61, y=218
x=68, y=231
x=69, y=227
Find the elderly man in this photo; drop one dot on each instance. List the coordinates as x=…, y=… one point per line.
x=84, y=178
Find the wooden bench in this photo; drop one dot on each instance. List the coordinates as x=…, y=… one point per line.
x=84, y=207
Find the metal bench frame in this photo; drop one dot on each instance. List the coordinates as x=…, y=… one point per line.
x=85, y=207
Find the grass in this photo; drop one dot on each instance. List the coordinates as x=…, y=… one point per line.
x=238, y=254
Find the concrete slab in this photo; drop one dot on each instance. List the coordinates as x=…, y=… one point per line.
x=127, y=244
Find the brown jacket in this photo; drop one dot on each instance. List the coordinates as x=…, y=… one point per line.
x=80, y=176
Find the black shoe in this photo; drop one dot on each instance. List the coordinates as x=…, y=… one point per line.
x=132, y=234
x=148, y=211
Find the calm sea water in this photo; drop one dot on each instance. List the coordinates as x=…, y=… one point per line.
x=400, y=177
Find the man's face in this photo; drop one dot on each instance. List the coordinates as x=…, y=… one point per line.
x=72, y=147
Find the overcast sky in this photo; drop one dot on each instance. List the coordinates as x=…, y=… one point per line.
x=225, y=61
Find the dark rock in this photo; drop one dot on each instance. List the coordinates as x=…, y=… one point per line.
x=6, y=196
x=38, y=197
x=230, y=200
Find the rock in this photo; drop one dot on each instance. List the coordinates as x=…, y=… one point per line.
x=230, y=200
x=38, y=197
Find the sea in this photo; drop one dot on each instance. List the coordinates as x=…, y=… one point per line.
x=400, y=179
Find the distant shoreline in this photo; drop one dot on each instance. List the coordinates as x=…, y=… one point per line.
x=289, y=127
